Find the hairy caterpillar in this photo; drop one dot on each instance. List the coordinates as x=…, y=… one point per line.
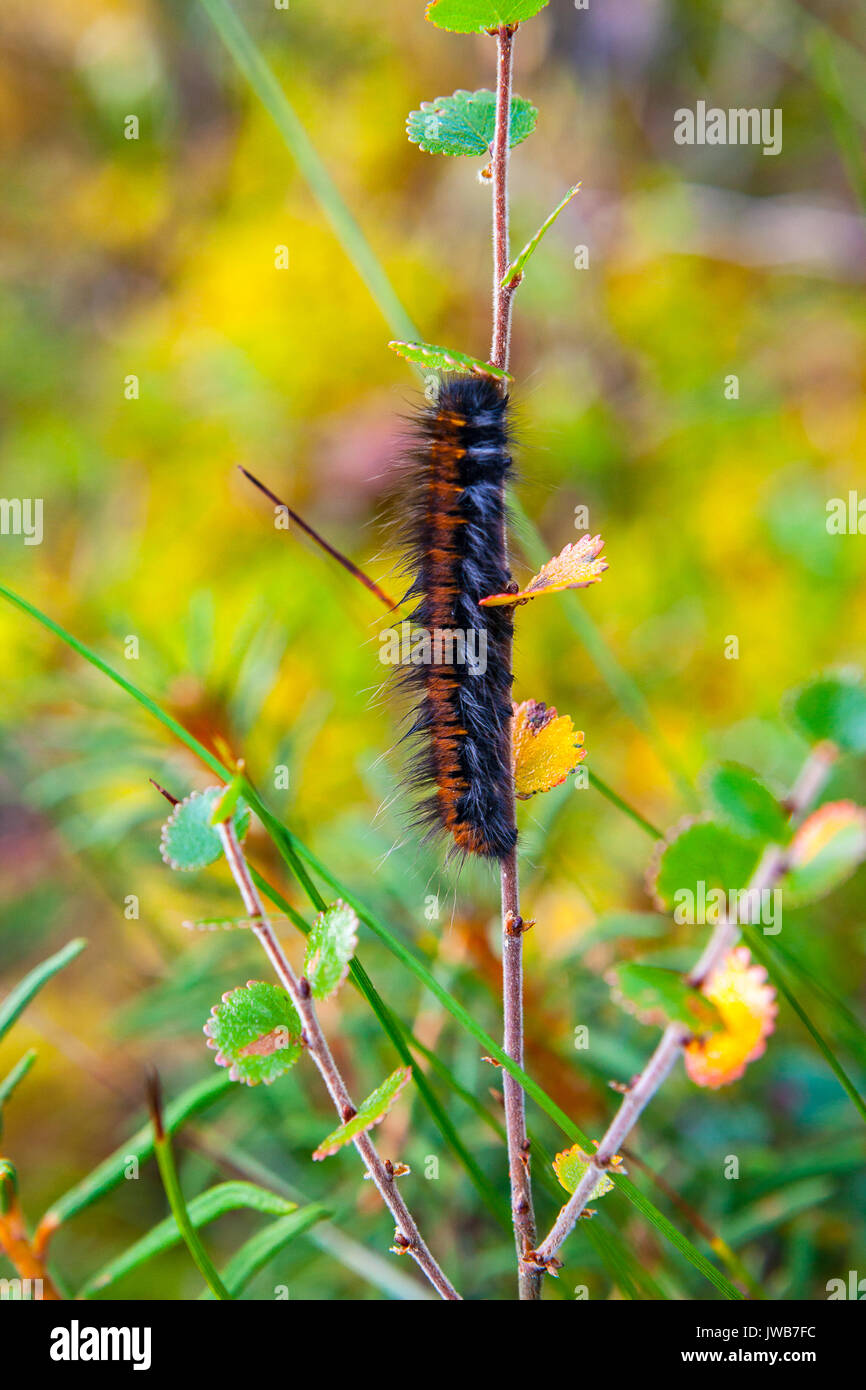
x=460, y=673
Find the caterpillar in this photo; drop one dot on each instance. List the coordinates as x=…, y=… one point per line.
x=459, y=675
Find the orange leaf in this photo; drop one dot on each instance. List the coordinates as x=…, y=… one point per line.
x=546, y=747
x=576, y=567
x=747, y=1003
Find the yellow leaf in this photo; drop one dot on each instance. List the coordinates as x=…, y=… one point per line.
x=576, y=567
x=546, y=747
x=747, y=1003
x=571, y=1165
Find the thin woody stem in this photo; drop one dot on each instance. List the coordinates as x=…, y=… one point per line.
x=320, y=541
x=522, y=1213
x=408, y=1238
x=502, y=295
x=769, y=873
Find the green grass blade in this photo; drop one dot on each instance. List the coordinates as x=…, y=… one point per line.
x=261, y=1247
x=17, y=1074
x=17, y=999
x=848, y=1021
x=14, y=1078
x=349, y=234
x=183, y=1221
x=616, y=800
x=621, y=685
x=848, y=138
x=140, y=1146
x=207, y=1207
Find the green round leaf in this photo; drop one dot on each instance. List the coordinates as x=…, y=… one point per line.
x=477, y=16
x=700, y=853
x=331, y=945
x=659, y=996
x=256, y=1033
x=828, y=847
x=189, y=841
x=371, y=1113
x=746, y=804
x=465, y=123
x=833, y=707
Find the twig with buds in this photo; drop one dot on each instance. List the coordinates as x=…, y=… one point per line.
x=769, y=873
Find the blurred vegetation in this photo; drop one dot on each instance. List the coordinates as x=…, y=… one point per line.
x=156, y=258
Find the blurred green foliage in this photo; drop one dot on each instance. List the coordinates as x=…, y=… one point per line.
x=156, y=258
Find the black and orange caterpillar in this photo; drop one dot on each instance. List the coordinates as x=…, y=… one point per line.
x=455, y=549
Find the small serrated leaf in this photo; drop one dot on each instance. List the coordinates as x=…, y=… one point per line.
x=479, y=16
x=571, y=1165
x=546, y=748
x=331, y=944
x=577, y=565
x=658, y=996
x=700, y=852
x=826, y=850
x=372, y=1112
x=442, y=359
x=256, y=1033
x=518, y=265
x=465, y=123
x=188, y=840
x=746, y=804
x=833, y=707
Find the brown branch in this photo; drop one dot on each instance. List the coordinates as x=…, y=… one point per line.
x=407, y=1237
x=522, y=1213
x=769, y=873
x=322, y=543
